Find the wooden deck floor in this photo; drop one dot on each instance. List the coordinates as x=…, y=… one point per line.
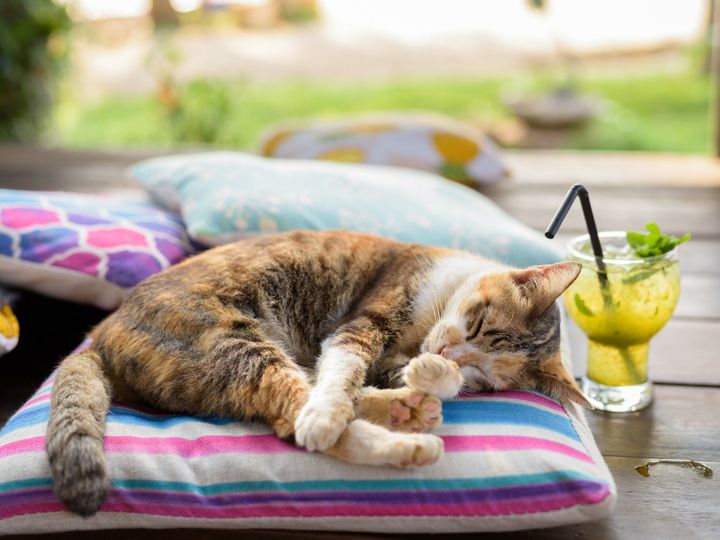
x=680, y=193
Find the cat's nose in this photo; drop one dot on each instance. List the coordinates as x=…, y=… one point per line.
x=446, y=351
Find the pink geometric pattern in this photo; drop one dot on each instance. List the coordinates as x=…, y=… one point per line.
x=27, y=217
x=116, y=238
x=84, y=262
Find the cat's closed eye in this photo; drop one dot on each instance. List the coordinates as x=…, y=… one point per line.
x=474, y=331
x=496, y=337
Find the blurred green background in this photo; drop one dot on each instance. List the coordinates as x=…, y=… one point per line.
x=655, y=108
x=655, y=113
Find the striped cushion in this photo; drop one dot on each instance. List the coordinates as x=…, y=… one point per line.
x=513, y=460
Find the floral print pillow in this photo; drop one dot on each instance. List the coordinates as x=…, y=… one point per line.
x=85, y=248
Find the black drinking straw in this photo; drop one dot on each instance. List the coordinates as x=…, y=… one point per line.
x=552, y=229
x=578, y=190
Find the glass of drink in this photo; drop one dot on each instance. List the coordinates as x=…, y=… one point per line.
x=620, y=307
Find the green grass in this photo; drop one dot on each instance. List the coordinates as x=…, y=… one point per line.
x=659, y=113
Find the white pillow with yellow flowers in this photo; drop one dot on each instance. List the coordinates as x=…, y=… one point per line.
x=434, y=143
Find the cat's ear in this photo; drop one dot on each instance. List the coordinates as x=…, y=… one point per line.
x=542, y=285
x=553, y=379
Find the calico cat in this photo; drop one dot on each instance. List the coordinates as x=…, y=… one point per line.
x=343, y=340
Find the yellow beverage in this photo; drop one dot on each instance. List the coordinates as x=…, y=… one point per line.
x=622, y=308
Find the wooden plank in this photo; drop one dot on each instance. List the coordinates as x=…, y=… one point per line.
x=673, y=503
x=566, y=167
x=699, y=216
x=684, y=352
x=29, y=167
x=682, y=423
x=699, y=296
x=532, y=168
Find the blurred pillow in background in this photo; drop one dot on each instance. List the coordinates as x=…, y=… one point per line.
x=433, y=143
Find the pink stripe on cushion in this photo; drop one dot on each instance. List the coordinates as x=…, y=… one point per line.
x=31, y=444
x=323, y=509
x=30, y=402
x=47, y=384
x=284, y=510
x=34, y=508
x=270, y=444
x=493, y=443
x=202, y=446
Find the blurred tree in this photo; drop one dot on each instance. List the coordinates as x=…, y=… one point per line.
x=32, y=51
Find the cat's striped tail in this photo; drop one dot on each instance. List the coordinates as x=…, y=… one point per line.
x=80, y=402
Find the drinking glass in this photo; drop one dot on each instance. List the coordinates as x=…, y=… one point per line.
x=620, y=308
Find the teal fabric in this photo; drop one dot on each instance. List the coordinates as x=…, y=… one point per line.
x=224, y=196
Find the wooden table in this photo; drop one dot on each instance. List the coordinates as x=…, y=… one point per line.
x=681, y=193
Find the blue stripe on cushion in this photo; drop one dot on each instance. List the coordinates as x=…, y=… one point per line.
x=324, y=485
x=454, y=412
x=504, y=412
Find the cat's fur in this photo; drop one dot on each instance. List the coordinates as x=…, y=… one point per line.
x=313, y=333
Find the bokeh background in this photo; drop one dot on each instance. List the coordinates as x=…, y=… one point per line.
x=144, y=73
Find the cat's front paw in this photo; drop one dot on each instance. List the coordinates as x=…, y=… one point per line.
x=433, y=374
x=320, y=424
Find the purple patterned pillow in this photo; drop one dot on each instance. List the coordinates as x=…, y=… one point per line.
x=85, y=248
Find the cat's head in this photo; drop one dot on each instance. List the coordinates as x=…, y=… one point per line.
x=503, y=330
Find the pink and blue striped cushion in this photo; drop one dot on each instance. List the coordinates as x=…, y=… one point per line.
x=513, y=460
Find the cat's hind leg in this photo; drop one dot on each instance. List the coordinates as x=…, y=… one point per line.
x=255, y=378
x=276, y=389
x=365, y=443
x=281, y=392
x=243, y=376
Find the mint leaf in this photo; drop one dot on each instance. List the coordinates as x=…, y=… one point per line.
x=635, y=277
x=653, y=228
x=654, y=242
x=582, y=307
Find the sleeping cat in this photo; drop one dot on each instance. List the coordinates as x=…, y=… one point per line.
x=343, y=340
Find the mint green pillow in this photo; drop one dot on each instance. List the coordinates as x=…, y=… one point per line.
x=224, y=196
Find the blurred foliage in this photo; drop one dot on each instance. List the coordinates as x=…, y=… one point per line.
x=196, y=111
x=200, y=111
x=666, y=112
x=669, y=113
x=32, y=50
x=540, y=5
x=298, y=11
